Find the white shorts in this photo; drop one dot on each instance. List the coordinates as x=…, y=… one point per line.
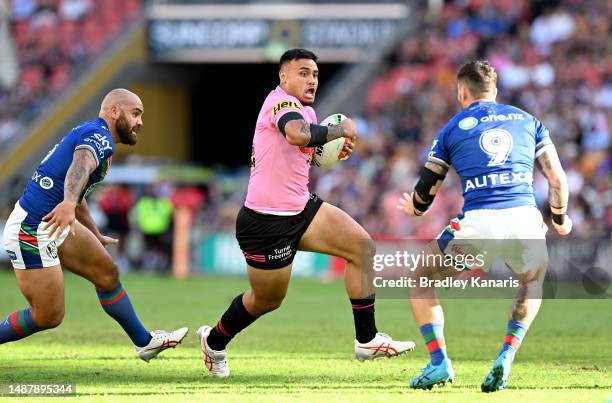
x=28, y=244
x=516, y=235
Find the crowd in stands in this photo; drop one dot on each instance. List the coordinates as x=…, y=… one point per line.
x=553, y=60
x=53, y=41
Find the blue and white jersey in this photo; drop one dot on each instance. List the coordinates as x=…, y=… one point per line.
x=45, y=189
x=493, y=148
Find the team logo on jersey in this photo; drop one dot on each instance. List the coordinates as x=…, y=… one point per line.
x=46, y=183
x=52, y=250
x=284, y=105
x=468, y=123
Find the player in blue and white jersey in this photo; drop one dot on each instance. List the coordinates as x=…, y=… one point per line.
x=493, y=148
x=50, y=228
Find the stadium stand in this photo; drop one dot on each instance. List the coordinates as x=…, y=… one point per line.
x=55, y=41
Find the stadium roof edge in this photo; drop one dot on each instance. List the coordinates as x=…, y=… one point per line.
x=276, y=11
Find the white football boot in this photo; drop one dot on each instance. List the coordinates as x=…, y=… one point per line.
x=160, y=340
x=382, y=345
x=215, y=361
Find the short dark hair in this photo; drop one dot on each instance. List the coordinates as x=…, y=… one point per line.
x=297, y=53
x=478, y=75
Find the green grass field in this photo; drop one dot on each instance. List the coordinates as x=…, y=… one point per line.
x=304, y=350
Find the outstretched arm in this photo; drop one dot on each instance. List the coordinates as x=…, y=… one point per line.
x=558, y=190
x=63, y=215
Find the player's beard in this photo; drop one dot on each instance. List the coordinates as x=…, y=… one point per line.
x=125, y=131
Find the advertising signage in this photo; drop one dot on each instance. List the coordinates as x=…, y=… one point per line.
x=248, y=34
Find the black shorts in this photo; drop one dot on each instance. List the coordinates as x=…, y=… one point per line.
x=271, y=241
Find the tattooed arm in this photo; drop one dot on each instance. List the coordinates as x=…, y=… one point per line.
x=300, y=133
x=64, y=215
x=558, y=191
x=83, y=164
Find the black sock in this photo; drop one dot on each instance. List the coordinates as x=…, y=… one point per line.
x=232, y=322
x=365, y=324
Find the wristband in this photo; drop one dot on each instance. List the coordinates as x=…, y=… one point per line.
x=419, y=208
x=318, y=135
x=558, y=219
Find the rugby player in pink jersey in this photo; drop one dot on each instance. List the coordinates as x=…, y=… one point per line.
x=280, y=217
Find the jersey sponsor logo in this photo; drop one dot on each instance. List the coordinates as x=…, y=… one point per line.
x=497, y=179
x=12, y=255
x=502, y=118
x=101, y=142
x=98, y=146
x=467, y=123
x=46, y=183
x=105, y=143
x=36, y=176
x=281, y=253
x=52, y=250
x=279, y=106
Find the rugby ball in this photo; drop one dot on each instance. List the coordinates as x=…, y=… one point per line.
x=330, y=154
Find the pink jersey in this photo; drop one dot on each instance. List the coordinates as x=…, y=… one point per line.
x=279, y=170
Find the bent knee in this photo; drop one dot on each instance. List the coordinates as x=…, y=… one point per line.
x=363, y=252
x=107, y=279
x=268, y=304
x=48, y=318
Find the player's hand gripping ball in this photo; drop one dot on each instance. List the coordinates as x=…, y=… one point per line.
x=330, y=154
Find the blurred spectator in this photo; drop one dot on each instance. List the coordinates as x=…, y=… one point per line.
x=153, y=214
x=23, y=9
x=74, y=9
x=116, y=202
x=188, y=196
